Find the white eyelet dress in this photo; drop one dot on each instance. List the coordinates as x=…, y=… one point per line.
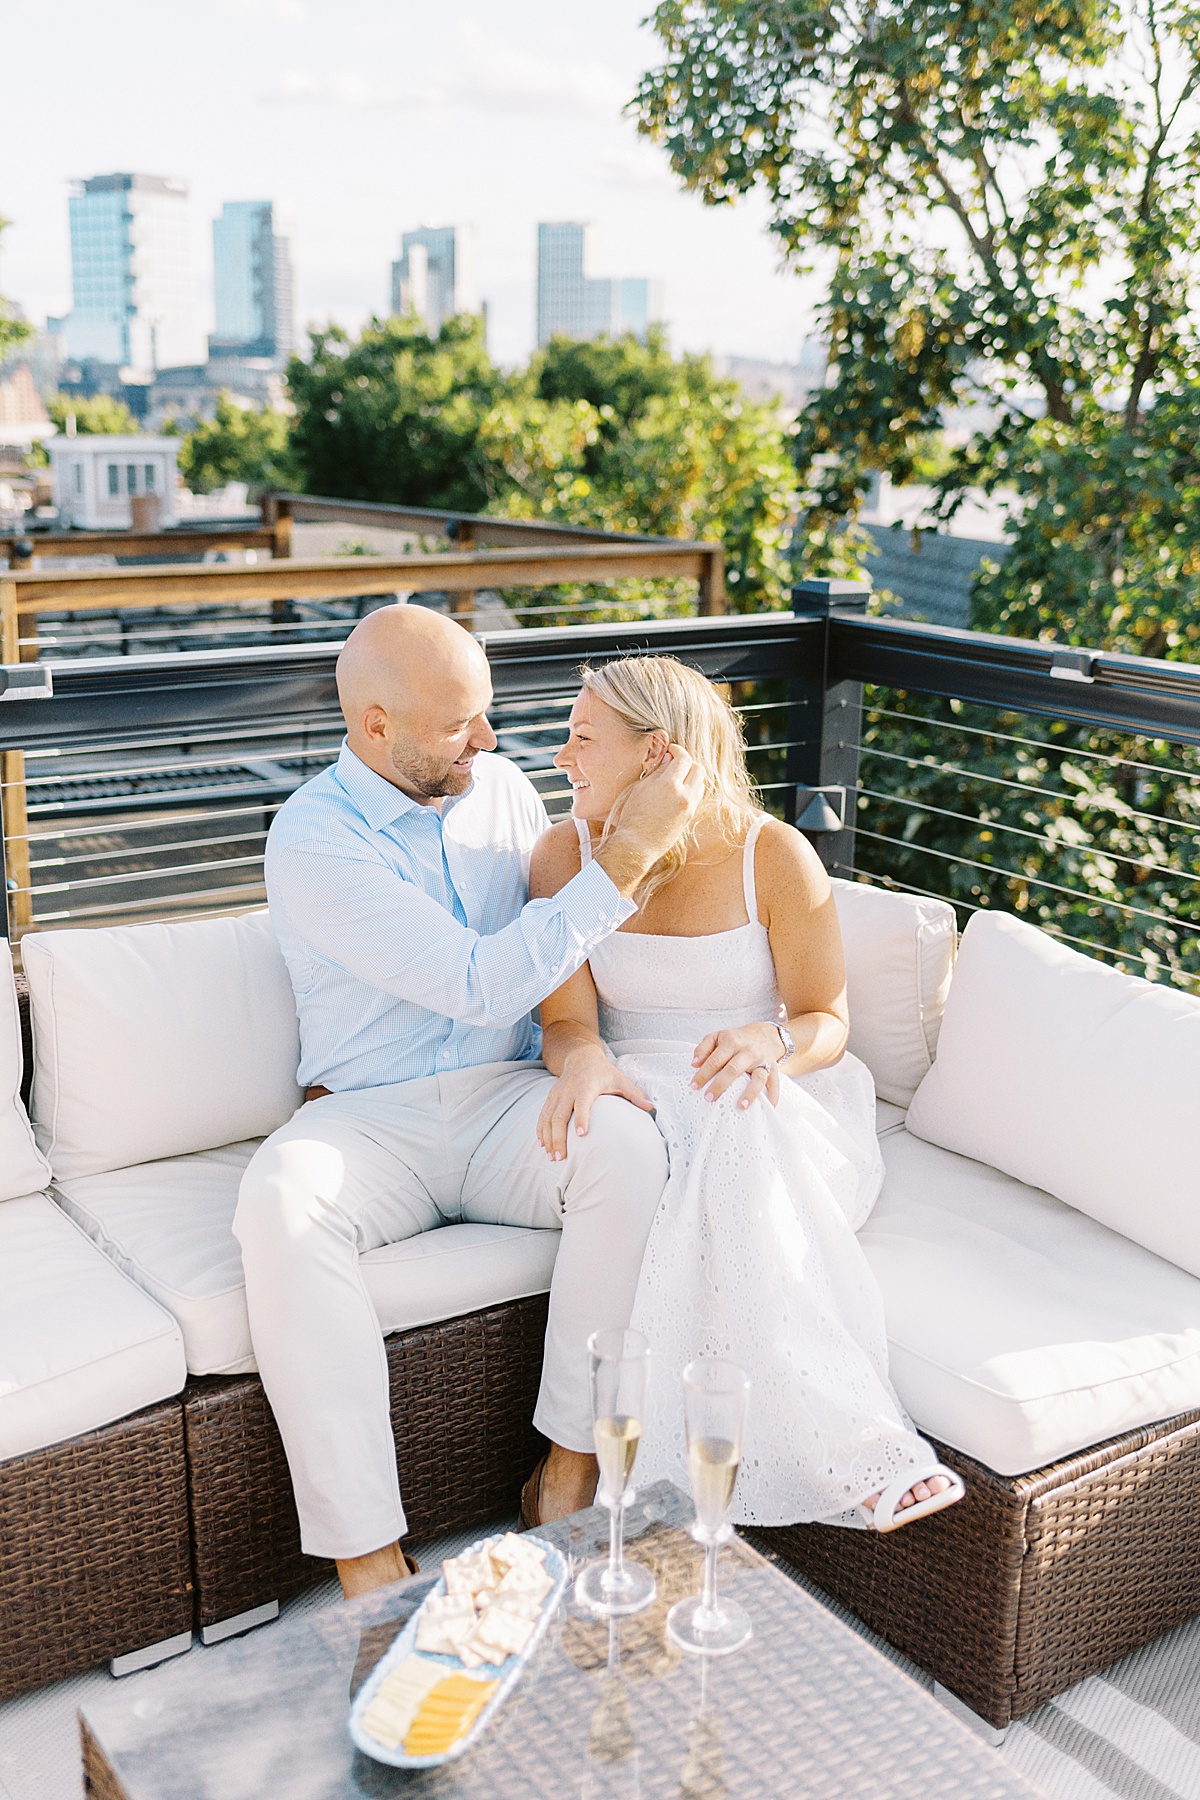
x=752, y=1254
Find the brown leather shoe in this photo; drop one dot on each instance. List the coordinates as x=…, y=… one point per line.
x=531, y=1497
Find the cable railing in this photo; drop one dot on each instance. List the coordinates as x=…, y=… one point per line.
x=941, y=764
x=1094, y=837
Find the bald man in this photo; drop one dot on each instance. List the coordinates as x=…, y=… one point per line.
x=397, y=883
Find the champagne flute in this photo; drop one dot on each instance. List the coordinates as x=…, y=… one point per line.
x=619, y=1365
x=714, y=1405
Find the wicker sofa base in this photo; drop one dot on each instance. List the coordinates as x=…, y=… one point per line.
x=463, y=1393
x=1033, y=1581
x=94, y=1553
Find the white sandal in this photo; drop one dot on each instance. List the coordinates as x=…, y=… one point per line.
x=883, y=1515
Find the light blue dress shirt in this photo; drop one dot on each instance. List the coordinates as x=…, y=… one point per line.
x=408, y=932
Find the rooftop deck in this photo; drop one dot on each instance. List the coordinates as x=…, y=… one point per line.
x=1005, y=774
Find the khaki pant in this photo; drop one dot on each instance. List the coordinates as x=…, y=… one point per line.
x=357, y=1170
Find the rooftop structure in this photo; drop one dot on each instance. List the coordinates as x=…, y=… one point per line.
x=434, y=275
x=252, y=276
x=97, y=478
x=130, y=272
x=571, y=303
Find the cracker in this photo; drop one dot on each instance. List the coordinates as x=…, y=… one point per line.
x=446, y=1621
x=528, y=1579
x=501, y=1630
x=468, y=1574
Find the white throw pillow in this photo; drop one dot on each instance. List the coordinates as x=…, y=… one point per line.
x=1074, y=1078
x=23, y=1170
x=159, y=1040
x=899, y=957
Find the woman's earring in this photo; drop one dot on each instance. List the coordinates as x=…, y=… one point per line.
x=643, y=775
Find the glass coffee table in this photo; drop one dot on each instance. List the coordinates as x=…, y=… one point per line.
x=605, y=1711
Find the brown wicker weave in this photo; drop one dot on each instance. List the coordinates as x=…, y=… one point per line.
x=94, y=1554
x=463, y=1393
x=1033, y=1581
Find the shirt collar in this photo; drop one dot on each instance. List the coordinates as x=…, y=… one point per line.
x=381, y=802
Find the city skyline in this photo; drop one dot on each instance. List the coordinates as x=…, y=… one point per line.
x=573, y=302
x=404, y=115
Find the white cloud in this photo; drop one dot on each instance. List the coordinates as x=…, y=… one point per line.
x=345, y=90
x=490, y=78
x=277, y=12
x=645, y=169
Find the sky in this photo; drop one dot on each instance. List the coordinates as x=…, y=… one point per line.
x=364, y=118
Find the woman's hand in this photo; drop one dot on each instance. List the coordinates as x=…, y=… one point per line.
x=586, y=1074
x=753, y=1050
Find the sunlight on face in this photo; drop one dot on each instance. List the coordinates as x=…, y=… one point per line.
x=600, y=758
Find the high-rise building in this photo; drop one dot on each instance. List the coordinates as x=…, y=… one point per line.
x=131, y=273
x=252, y=271
x=435, y=274
x=571, y=303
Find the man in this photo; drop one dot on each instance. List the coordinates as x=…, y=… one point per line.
x=397, y=883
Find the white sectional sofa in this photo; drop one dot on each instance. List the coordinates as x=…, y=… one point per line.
x=1037, y=1241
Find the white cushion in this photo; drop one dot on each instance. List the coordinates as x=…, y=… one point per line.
x=1075, y=1078
x=899, y=957
x=158, y=1040
x=887, y=1117
x=1019, y=1330
x=169, y=1225
x=80, y=1345
x=23, y=1169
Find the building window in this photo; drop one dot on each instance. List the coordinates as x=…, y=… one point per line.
x=78, y=473
x=149, y=474
x=131, y=478
x=114, y=479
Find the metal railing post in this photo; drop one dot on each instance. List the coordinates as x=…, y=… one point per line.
x=825, y=736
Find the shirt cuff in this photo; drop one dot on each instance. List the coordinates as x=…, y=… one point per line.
x=593, y=904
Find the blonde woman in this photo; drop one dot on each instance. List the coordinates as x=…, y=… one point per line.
x=721, y=1006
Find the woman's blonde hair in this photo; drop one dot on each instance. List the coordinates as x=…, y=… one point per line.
x=658, y=693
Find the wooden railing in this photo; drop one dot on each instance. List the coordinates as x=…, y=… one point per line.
x=20, y=549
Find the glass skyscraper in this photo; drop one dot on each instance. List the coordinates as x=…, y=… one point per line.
x=252, y=271
x=435, y=274
x=571, y=303
x=131, y=272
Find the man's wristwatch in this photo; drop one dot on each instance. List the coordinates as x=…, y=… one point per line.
x=788, y=1041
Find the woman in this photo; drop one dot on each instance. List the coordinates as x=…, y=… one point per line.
x=729, y=978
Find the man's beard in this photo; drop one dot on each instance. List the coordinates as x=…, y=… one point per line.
x=429, y=776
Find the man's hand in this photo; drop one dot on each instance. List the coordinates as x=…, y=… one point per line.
x=752, y=1050
x=655, y=815
x=587, y=1073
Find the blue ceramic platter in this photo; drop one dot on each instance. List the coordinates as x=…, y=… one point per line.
x=507, y=1673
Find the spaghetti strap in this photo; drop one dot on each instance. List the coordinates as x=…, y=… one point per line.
x=748, y=884
x=584, y=833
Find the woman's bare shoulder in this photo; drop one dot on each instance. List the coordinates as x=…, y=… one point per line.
x=555, y=859
x=788, y=869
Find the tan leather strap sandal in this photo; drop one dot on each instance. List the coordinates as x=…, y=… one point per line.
x=531, y=1498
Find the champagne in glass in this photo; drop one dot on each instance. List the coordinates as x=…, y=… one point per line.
x=714, y=1405
x=619, y=1365
x=616, y=1443
x=713, y=1466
